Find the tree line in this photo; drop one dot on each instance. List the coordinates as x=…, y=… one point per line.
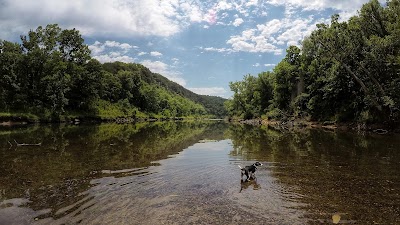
x=344, y=71
x=50, y=73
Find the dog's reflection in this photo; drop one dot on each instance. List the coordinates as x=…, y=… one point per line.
x=244, y=184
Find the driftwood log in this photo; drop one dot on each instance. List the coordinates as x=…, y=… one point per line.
x=24, y=144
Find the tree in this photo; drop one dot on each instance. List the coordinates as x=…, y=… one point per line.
x=266, y=86
x=72, y=47
x=246, y=100
x=372, y=19
x=10, y=61
x=53, y=57
x=284, y=85
x=86, y=86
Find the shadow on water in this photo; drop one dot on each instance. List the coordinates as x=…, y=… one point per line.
x=187, y=173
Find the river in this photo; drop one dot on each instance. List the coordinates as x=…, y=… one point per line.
x=187, y=173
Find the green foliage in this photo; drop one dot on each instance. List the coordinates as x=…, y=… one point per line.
x=251, y=96
x=345, y=71
x=213, y=105
x=150, y=95
x=10, y=68
x=17, y=116
x=283, y=84
x=49, y=59
x=108, y=110
x=299, y=105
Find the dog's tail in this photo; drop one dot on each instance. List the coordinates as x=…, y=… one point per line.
x=240, y=167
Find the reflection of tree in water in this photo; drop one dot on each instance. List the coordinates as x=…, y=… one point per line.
x=353, y=175
x=55, y=174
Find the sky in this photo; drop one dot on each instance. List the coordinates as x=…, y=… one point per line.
x=200, y=44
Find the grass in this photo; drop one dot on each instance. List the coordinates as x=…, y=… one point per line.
x=18, y=116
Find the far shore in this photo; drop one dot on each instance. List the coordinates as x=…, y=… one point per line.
x=22, y=118
x=379, y=128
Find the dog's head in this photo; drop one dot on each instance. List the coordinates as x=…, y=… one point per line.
x=257, y=164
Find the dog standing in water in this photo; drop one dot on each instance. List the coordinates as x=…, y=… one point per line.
x=249, y=171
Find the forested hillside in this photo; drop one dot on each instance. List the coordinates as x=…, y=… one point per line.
x=214, y=105
x=51, y=74
x=344, y=71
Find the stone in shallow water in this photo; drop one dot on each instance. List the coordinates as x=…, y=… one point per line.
x=336, y=218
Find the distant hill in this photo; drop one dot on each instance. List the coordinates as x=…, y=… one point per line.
x=214, y=105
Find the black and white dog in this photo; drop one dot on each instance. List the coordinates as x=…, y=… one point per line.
x=249, y=171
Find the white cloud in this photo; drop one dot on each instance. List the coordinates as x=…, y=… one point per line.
x=175, y=61
x=113, y=57
x=240, y=7
x=123, y=18
x=223, y=5
x=142, y=53
x=115, y=44
x=98, y=47
x=237, y=22
x=157, y=54
x=252, y=43
x=320, y=4
x=155, y=66
x=127, y=18
x=270, y=36
x=270, y=28
x=257, y=65
x=211, y=17
x=346, y=9
x=213, y=91
x=111, y=51
x=212, y=49
x=269, y=65
x=165, y=70
x=192, y=12
x=295, y=31
x=252, y=3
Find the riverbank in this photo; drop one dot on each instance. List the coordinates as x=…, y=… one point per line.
x=9, y=119
x=380, y=128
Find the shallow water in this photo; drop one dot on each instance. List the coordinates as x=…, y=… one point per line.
x=187, y=173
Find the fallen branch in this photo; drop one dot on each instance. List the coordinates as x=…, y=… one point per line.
x=381, y=131
x=24, y=144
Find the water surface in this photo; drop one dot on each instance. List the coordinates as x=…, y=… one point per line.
x=187, y=173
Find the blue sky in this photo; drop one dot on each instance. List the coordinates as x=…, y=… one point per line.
x=202, y=45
